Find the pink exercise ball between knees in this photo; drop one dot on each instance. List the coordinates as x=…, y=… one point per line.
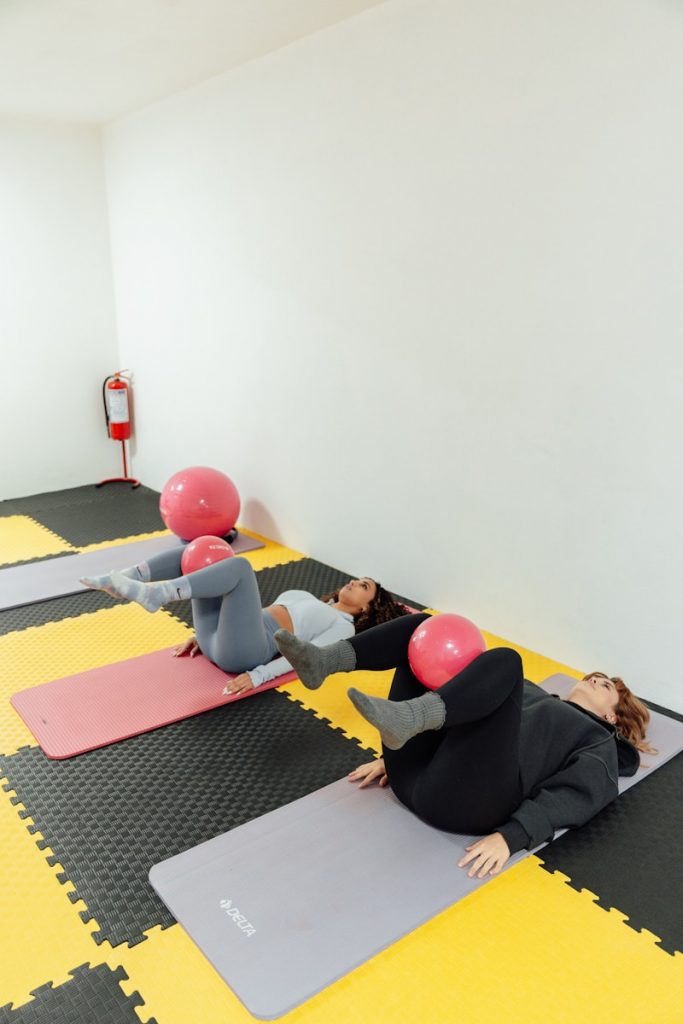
x=199, y=501
x=442, y=646
x=204, y=551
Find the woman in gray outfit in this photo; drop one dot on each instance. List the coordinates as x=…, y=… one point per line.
x=232, y=629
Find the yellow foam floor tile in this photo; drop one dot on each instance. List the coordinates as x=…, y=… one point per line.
x=56, y=649
x=330, y=701
x=102, y=544
x=177, y=983
x=43, y=937
x=271, y=554
x=22, y=538
x=536, y=666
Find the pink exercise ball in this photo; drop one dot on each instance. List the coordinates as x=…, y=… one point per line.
x=204, y=551
x=199, y=501
x=442, y=646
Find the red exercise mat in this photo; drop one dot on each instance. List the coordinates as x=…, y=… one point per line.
x=104, y=705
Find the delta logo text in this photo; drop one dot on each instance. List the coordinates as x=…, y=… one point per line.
x=246, y=927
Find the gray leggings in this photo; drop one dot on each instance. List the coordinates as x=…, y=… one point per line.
x=232, y=628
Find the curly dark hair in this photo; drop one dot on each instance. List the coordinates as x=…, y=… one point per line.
x=382, y=608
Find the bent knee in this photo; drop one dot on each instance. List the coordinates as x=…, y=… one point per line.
x=503, y=659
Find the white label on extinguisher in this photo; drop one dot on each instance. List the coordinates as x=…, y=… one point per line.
x=118, y=406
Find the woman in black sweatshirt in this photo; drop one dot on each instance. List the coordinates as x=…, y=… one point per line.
x=488, y=753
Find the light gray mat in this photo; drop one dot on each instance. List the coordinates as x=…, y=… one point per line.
x=57, y=577
x=285, y=905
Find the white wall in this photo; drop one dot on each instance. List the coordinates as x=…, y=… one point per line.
x=57, y=325
x=414, y=282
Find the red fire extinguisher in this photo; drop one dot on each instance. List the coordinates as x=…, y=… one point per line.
x=115, y=395
x=116, y=408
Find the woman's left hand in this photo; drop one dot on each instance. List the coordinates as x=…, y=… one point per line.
x=487, y=856
x=240, y=684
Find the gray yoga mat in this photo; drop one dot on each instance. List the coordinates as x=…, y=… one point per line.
x=57, y=577
x=288, y=903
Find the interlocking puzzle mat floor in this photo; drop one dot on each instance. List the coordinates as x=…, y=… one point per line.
x=588, y=929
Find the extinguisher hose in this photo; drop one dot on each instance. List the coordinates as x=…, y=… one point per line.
x=104, y=402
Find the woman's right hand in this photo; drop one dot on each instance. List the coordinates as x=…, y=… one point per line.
x=369, y=773
x=190, y=647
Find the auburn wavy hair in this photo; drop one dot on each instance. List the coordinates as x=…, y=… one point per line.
x=382, y=608
x=631, y=714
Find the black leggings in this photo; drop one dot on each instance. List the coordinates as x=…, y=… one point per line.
x=463, y=777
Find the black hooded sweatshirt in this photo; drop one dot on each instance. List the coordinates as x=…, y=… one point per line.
x=570, y=761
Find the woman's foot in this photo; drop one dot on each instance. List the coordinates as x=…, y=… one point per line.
x=314, y=664
x=136, y=572
x=150, y=595
x=99, y=583
x=399, y=721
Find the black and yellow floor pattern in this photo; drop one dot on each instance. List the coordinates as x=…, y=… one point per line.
x=591, y=930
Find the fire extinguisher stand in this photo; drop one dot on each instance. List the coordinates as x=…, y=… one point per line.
x=125, y=479
x=117, y=414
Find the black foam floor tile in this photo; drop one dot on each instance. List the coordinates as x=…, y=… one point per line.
x=124, y=514
x=93, y=996
x=13, y=620
x=304, y=574
x=70, y=497
x=90, y=515
x=630, y=855
x=109, y=815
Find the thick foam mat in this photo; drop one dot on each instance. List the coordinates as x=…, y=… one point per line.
x=88, y=601
x=57, y=577
x=109, y=815
x=92, y=996
x=42, y=580
x=355, y=872
x=105, y=705
x=69, y=646
x=305, y=922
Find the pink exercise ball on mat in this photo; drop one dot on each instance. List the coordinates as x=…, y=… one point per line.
x=199, y=501
x=442, y=646
x=204, y=551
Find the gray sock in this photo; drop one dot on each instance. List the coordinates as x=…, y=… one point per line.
x=150, y=595
x=314, y=664
x=135, y=572
x=399, y=721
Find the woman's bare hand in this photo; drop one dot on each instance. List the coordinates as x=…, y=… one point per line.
x=190, y=647
x=240, y=684
x=487, y=856
x=369, y=773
